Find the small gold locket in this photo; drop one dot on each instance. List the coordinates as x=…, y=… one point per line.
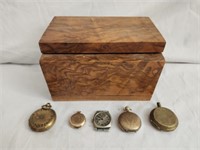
x=77, y=120
x=129, y=121
x=42, y=119
x=163, y=118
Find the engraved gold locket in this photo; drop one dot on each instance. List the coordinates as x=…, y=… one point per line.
x=42, y=119
x=129, y=121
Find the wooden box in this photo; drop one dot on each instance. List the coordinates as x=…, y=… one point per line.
x=101, y=58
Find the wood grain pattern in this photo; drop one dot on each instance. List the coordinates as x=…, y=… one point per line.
x=101, y=35
x=102, y=76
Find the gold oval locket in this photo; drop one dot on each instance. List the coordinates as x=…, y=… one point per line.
x=42, y=119
x=163, y=118
x=77, y=120
x=129, y=121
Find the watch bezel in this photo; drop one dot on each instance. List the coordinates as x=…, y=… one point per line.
x=101, y=126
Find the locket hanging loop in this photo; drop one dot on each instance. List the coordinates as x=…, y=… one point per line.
x=46, y=106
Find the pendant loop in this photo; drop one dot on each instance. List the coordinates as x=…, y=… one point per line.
x=47, y=106
x=158, y=104
x=127, y=108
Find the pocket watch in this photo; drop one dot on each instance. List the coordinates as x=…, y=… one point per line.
x=102, y=120
x=77, y=120
x=163, y=118
x=42, y=119
x=129, y=121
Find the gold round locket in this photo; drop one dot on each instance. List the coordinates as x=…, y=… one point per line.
x=77, y=120
x=42, y=119
x=129, y=121
x=163, y=118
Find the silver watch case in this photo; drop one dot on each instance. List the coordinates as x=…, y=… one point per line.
x=100, y=127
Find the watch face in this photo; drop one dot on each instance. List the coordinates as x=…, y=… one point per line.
x=102, y=118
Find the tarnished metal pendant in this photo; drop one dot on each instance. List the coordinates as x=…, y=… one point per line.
x=129, y=121
x=42, y=119
x=163, y=118
x=77, y=120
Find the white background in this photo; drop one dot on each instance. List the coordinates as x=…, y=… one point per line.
x=22, y=23
x=23, y=88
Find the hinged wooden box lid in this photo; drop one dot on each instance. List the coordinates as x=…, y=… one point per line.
x=101, y=35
